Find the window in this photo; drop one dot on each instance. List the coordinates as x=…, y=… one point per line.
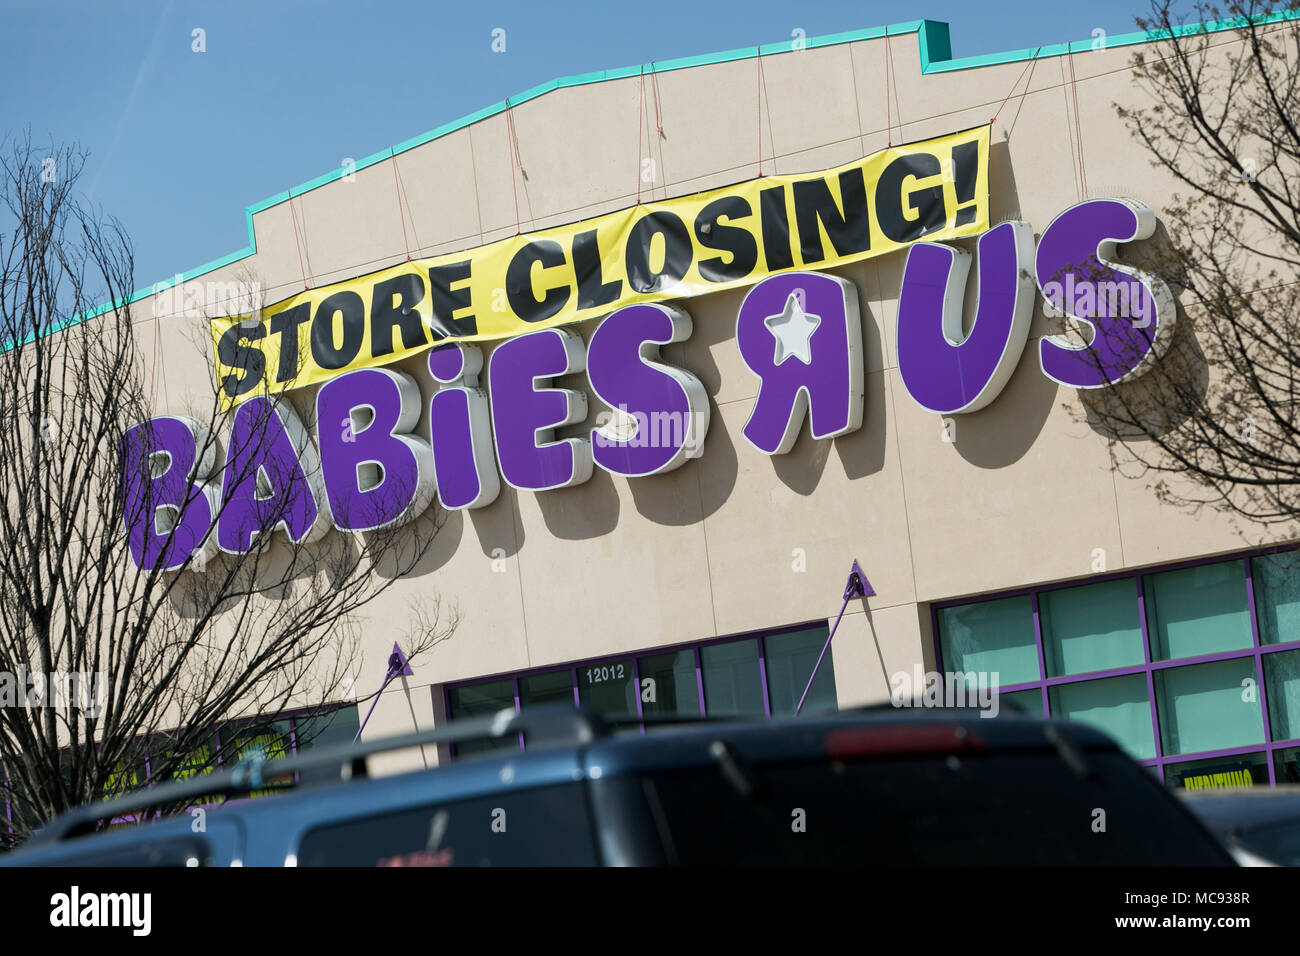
x=1286, y=765
x=1277, y=596
x=1090, y=628
x=462, y=833
x=555, y=687
x=482, y=700
x=1027, y=701
x=984, y=809
x=609, y=688
x=1241, y=770
x=269, y=738
x=763, y=675
x=269, y=741
x=672, y=689
x=1282, y=679
x=790, y=658
x=1119, y=706
x=331, y=729
x=168, y=851
x=1208, y=706
x=194, y=763
x=733, y=681
x=1198, y=610
x=992, y=637
x=1194, y=670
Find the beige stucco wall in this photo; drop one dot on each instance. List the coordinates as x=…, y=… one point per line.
x=1024, y=494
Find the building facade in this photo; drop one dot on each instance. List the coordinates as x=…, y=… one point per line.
x=997, y=535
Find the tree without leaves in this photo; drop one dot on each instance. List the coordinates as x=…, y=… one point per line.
x=173, y=654
x=1216, y=422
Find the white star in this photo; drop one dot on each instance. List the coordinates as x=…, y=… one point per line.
x=793, y=330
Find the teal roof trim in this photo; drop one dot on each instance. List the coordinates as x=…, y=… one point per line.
x=933, y=41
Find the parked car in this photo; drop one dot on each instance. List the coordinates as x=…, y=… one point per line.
x=873, y=786
x=1260, y=826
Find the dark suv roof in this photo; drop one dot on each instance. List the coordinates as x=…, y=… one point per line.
x=869, y=786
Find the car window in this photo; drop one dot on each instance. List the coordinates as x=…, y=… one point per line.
x=546, y=826
x=989, y=809
x=168, y=851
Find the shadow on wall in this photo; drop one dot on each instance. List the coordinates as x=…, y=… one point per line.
x=861, y=452
x=1004, y=198
x=1003, y=432
x=1166, y=395
x=437, y=531
x=499, y=532
x=1158, y=402
x=588, y=510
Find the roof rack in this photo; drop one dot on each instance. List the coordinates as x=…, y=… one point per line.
x=546, y=724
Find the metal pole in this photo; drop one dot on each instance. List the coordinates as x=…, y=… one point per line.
x=856, y=586
x=388, y=678
x=825, y=647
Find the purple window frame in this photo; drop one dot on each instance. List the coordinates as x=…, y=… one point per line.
x=760, y=637
x=1256, y=652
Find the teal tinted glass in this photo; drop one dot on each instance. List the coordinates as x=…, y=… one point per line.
x=991, y=637
x=1090, y=628
x=1282, y=688
x=1200, y=610
x=790, y=659
x=1277, y=596
x=1286, y=765
x=329, y=729
x=732, y=684
x=668, y=685
x=608, y=688
x=1117, y=706
x=554, y=687
x=1025, y=701
x=478, y=700
x=1210, y=706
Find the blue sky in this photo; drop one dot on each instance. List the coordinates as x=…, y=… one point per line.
x=180, y=142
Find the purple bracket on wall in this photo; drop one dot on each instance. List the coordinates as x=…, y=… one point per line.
x=398, y=666
x=857, y=586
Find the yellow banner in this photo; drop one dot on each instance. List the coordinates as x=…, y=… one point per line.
x=723, y=238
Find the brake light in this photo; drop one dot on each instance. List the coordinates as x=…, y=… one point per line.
x=881, y=741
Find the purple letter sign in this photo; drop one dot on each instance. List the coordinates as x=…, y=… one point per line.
x=669, y=406
x=1131, y=313
x=460, y=429
x=167, y=503
x=272, y=478
x=376, y=474
x=524, y=415
x=942, y=369
x=799, y=332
